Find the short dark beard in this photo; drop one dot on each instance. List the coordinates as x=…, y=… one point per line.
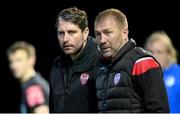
x=80, y=48
x=78, y=52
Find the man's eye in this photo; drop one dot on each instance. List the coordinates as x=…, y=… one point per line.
x=97, y=34
x=60, y=33
x=108, y=32
x=72, y=32
x=159, y=52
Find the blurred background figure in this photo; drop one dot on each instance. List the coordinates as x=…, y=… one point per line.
x=35, y=89
x=161, y=46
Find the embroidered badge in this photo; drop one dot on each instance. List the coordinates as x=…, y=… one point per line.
x=84, y=78
x=117, y=77
x=34, y=95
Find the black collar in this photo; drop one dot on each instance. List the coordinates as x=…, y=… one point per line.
x=124, y=50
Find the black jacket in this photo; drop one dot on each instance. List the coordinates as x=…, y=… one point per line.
x=72, y=83
x=131, y=82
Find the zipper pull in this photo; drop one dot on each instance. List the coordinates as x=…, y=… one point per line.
x=66, y=89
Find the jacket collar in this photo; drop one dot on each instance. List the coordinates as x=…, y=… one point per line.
x=124, y=50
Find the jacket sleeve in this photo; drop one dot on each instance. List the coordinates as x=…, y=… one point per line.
x=51, y=104
x=35, y=97
x=148, y=74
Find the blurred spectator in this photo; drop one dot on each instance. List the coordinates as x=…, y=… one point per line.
x=35, y=89
x=161, y=46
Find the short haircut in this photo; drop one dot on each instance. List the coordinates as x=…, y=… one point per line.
x=22, y=45
x=75, y=16
x=116, y=14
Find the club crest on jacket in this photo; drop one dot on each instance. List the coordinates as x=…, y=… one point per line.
x=84, y=78
x=117, y=77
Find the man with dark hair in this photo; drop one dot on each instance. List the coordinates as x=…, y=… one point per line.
x=35, y=89
x=72, y=81
x=129, y=79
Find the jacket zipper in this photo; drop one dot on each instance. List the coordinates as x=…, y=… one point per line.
x=65, y=88
x=105, y=89
x=67, y=81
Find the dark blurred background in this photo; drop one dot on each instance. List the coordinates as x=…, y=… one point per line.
x=33, y=21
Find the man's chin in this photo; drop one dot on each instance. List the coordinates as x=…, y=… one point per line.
x=17, y=76
x=107, y=55
x=69, y=52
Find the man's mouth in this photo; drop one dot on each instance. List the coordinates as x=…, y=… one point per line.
x=104, y=48
x=67, y=46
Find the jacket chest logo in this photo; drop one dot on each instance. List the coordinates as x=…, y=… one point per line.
x=117, y=77
x=84, y=78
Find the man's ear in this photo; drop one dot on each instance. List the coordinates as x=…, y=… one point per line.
x=32, y=60
x=125, y=34
x=86, y=33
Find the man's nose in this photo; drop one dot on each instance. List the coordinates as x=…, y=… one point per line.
x=66, y=37
x=102, y=39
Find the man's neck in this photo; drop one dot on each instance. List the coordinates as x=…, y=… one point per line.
x=117, y=51
x=167, y=65
x=28, y=75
